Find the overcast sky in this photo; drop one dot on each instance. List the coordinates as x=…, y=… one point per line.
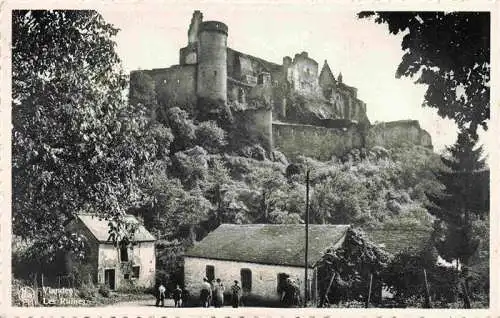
x=365, y=52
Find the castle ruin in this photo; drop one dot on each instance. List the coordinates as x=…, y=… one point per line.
x=291, y=107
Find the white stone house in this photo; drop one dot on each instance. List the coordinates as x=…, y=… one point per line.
x=117, y=267
x=260, y=257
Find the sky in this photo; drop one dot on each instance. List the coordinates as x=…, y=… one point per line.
x=365, y=52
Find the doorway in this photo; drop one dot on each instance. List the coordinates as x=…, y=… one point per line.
x=109, y=278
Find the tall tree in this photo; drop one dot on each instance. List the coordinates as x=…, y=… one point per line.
x=449, y=52
x=461, y=201
x=76, y=143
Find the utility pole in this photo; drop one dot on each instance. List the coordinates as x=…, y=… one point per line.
x=307, y=238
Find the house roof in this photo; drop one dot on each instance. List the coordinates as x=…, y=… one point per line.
x=395, y=240
x=276, y=244
x=99, y=228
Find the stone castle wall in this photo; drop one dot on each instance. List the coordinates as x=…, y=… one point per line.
x=396, y=133
x=313, y=141
x=176, y=85
x=323, y=143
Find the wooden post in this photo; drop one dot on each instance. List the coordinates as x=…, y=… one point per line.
x=328, y=289
x=427, y=293
x=369, y=291
x=307, y=238
x=316, y=286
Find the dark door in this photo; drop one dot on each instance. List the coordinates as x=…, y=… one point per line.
x=281, y=282
x=210, y=272
x=109, y=278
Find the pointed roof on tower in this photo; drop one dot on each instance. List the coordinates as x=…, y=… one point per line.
x=326, y=77
x=340, y=77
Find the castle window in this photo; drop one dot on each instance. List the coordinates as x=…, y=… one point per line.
x=215, y=73
x=178, y=82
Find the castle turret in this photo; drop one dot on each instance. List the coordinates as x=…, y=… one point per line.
x=326, y=78
x=188, y=54
x=212, y=61
x=194, y=27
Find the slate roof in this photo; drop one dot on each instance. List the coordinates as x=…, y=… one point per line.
x=99, y=228
x=275, y=244
x=397, y=240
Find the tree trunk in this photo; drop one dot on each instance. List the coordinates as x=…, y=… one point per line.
x=219, y=206
x=427, y=293
x=192, y=233
x=465, y=296
x=369, y=291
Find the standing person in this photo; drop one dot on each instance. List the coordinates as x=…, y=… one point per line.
x=176, y=295
x=236, y=294
x=185, y=297
x=219, y=294
x=212, y=292
x=205, y=293
x=161, y=295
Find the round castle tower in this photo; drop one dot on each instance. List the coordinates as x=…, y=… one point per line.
x=212, y=61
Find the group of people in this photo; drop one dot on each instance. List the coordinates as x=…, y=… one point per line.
x=180, y=296
x=212, y=293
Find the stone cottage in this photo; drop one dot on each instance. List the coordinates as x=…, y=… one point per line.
x=260, y=257
x=118, y=267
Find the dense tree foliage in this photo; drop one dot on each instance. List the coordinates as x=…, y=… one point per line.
x=406, y=279
x=463, y=202
x=76, y=144
x=449, y=52
x=344, y=273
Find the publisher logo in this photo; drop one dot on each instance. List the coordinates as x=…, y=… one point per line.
x=27, y=296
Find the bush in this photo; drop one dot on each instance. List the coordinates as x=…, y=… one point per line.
x=394, y=206
x=87, y=292
x=210, y=136
x=104, y=290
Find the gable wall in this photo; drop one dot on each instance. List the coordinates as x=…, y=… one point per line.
x=143, y=255
x=89, y=265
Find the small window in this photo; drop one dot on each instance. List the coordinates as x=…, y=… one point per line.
x=215, y=73
x=178, y=82
x=126, y=276
x=241, y=95
x=124, y=253
x=135, y=271
x=210, y=272
x=246, y=279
